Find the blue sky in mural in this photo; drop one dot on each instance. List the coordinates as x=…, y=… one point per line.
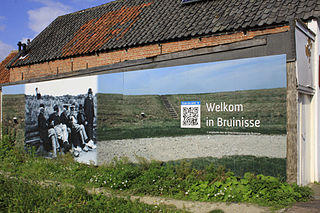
x=15, y=89
x=110, y=83
x=245, y=74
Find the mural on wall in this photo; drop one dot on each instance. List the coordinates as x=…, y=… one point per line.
x=60, y=116
x=231, y=111
x=13, y=114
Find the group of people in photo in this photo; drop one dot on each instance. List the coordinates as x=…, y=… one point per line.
x=70, y=130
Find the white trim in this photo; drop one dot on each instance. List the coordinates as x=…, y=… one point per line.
x=305, y=30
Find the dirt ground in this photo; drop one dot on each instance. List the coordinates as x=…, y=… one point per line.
x=194, y=206
x=196, y=146
x=312, y=206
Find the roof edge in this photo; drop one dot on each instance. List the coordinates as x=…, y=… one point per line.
x=10, y=65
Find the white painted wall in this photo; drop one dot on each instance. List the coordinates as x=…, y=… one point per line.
x=305, y=50
x=315, y=27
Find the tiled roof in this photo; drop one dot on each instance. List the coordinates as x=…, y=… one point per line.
x=4, y=72
x=128, y=23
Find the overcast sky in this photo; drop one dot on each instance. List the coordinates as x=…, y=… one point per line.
x=23, y=19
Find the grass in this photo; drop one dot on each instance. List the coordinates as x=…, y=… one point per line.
x=241, y=164
x=14, y=106
x=179, y=180
x=119, y=115
x=23, y=196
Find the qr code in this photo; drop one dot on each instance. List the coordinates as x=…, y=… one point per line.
x=190, y=114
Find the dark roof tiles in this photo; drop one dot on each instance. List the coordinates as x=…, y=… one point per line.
x=128, y=23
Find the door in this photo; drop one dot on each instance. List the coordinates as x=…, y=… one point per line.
x=304, y=139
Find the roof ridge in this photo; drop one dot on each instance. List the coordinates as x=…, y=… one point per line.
x=130, y=23
x=91, y=8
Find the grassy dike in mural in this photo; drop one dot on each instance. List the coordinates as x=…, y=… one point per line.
x=119, y=116
x=14, y=106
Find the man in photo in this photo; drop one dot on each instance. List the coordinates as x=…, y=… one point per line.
x=78, y=130
x=60, y=129
x=89, y=115
x=81, y=118
x=43, y=129
x=64, y=118
x=38, y=94
x=47, y=134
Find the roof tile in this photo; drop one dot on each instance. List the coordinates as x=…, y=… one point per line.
x=4, y=72
x=128, y=23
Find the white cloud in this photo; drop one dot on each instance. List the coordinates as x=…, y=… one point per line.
x=40, y=18
x=25, y=40
x=5, y=49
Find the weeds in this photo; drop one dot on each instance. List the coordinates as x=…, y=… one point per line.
x=20, y=196
x=179, y=180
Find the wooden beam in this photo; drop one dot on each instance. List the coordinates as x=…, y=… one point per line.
x=292, y=125
x=149, y=63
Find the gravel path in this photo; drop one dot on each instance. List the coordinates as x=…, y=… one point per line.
x=88, y=157
x=174, y=148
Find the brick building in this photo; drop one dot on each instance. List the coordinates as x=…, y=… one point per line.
x=128, y=35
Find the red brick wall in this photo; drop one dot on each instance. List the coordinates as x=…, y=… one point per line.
x=83, y=62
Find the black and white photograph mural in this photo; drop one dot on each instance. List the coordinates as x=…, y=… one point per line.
x=64, y=114
x=60, y=117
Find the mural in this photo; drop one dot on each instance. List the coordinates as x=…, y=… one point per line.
x=231, y=113
x=225, y=112
x=60, y=116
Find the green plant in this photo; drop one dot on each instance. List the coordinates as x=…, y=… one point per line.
x=21, y=196
x=217, y=211
x=178, y=180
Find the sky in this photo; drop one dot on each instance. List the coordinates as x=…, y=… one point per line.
x=243, y=74
x=25, y=19
x=233, y=75
x=69, y=86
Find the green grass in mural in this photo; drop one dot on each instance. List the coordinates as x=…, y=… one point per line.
x=119, y=116
x=14, y=106
x=240, y=164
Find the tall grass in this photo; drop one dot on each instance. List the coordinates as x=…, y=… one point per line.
x=23, y=196
x=119, y=115
x=178, y=180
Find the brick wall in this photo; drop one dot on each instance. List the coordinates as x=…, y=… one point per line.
x=112, y=57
